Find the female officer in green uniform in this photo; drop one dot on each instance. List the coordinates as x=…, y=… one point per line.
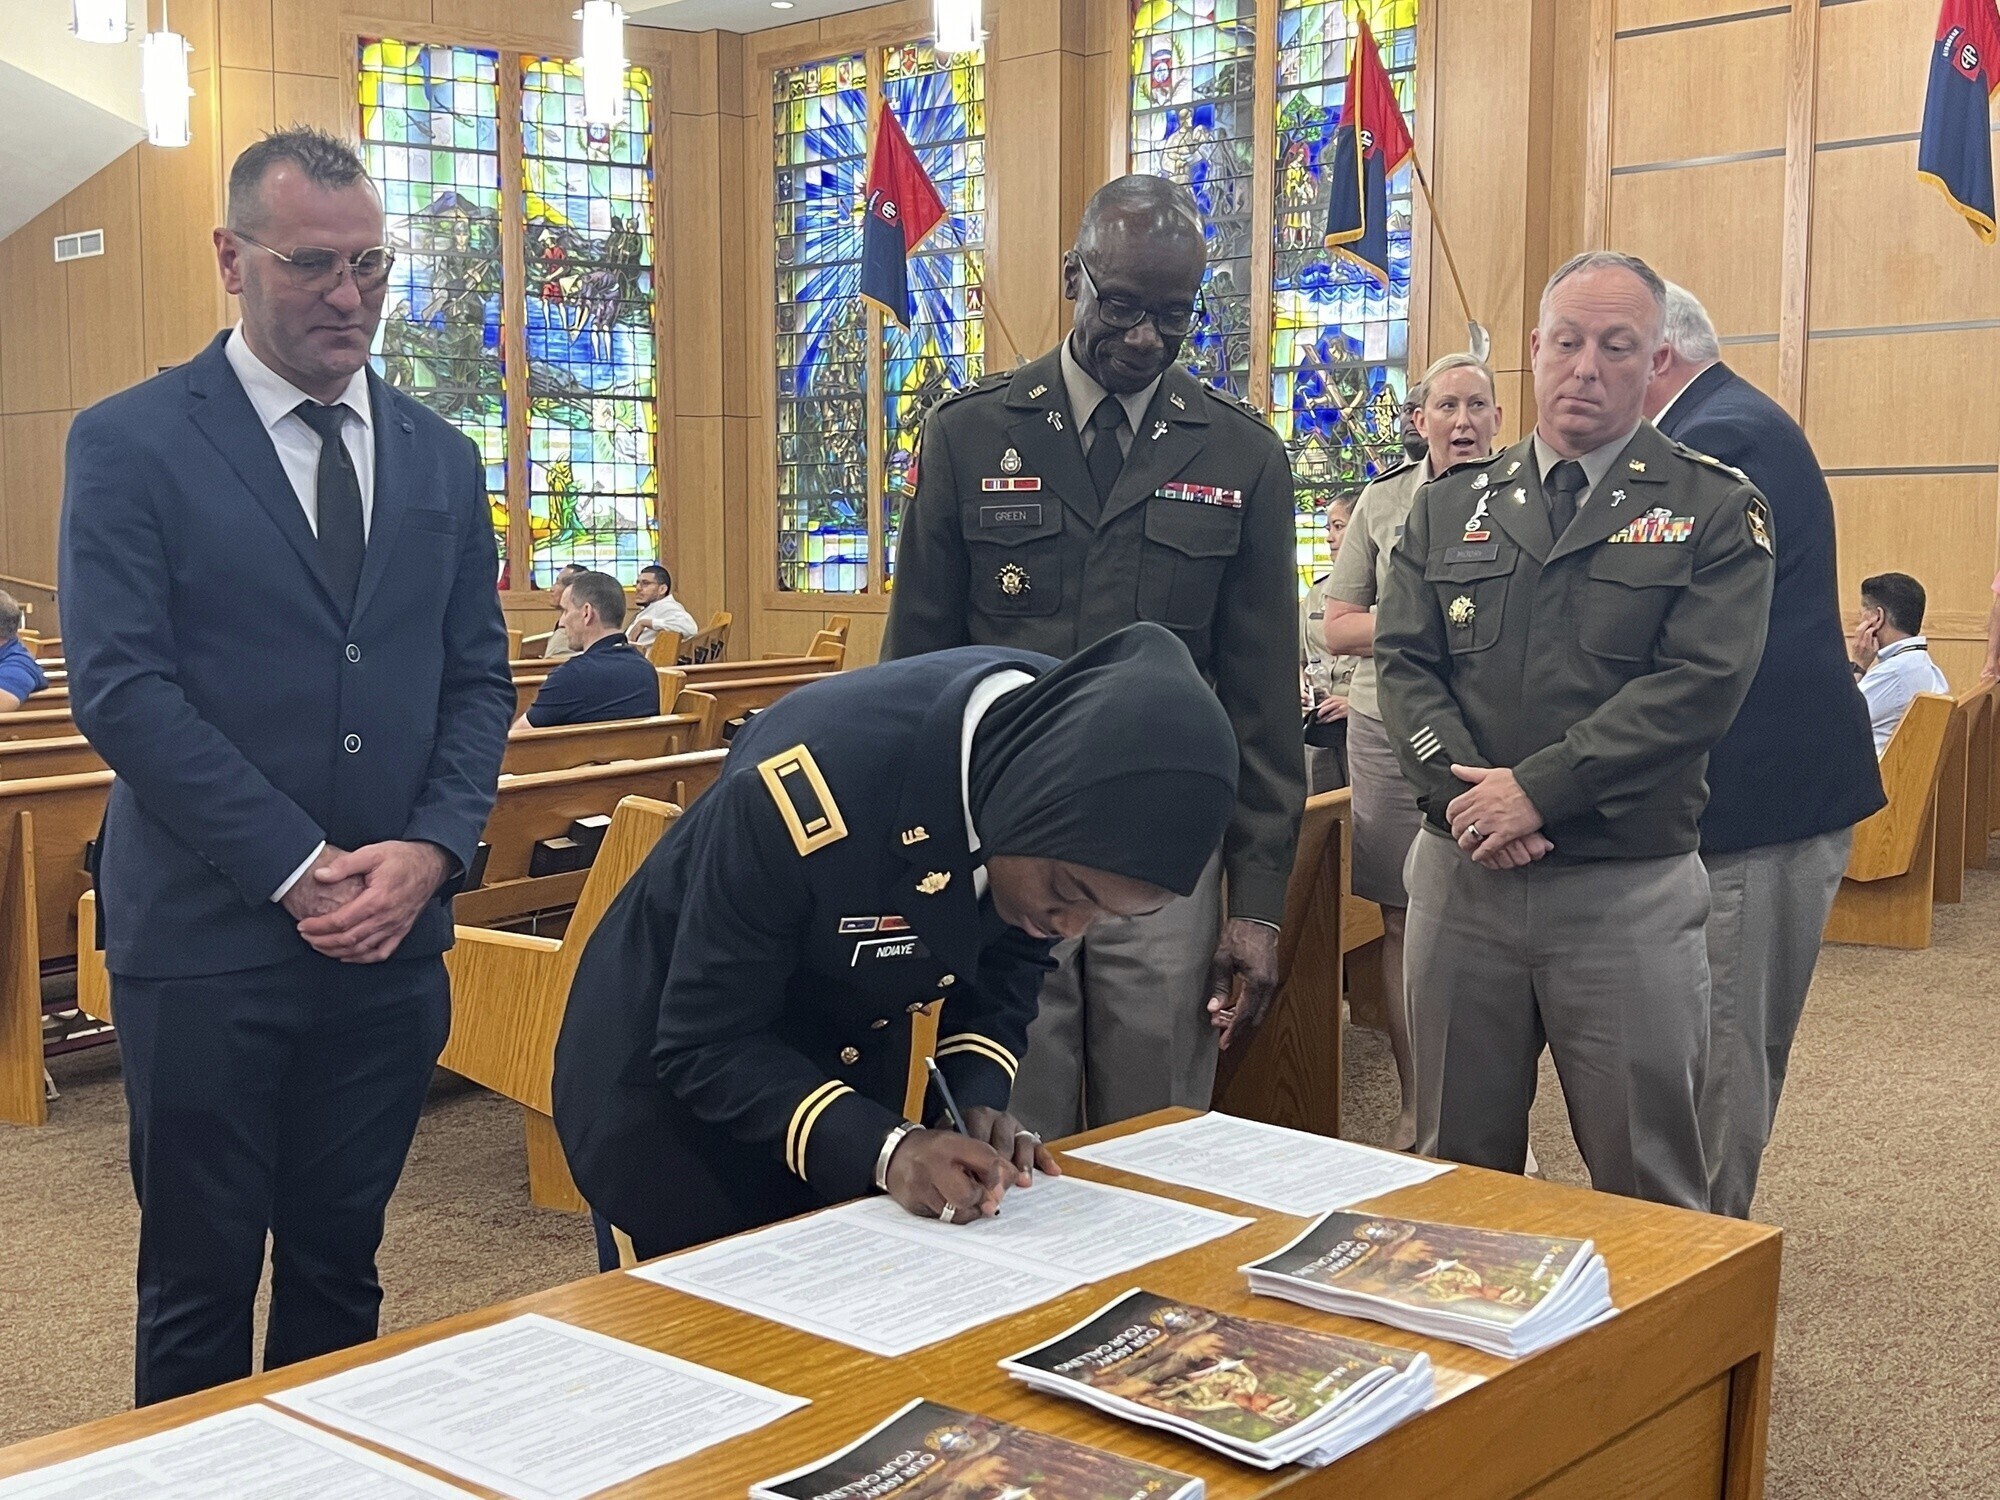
x=737, y=1044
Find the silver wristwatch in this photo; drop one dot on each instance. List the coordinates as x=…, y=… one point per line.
x=889, y=1144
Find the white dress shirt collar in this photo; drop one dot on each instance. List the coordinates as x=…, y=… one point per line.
x=1661, y=416
x=275, y=397
x=988, y=692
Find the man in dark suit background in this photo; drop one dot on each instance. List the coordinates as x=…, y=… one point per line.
x=305, y=759
x=1793, y=775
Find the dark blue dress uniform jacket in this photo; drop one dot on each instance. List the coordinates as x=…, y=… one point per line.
x=737, y=1042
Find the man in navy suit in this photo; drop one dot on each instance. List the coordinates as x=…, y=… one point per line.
x=1793, y=775
x=305, y=757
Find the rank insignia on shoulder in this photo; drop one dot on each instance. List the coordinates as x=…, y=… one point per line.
x=804, y=800
x=1760, y=526
x=934, y=882
x=1013, y=580
x=1460, y=611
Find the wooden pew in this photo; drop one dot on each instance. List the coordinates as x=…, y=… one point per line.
x=664, y=649
x=60, y=755
x=44, y=825
x=1885, y=897
x=708, y=644
x=692, y=727
x=1289, y=1073
x=737, y=696
x=1979, y=737
x=37, y=724
x=672, y=680
x=1948, y=880
x=508, y=992
x=543, y=804
x=828, y=655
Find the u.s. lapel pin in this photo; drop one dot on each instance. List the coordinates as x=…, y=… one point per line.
x=914, y=835
x=1055, y=420
x=1038, y=392
x=934, y=882
x=1511, y=468
x=1159, y=431
x=1178, y=404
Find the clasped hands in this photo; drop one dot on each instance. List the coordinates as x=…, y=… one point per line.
x=1494, y=821
x=933, y=1170
x=357, y=906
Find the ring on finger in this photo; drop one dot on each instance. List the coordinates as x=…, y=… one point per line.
x=1473, y=829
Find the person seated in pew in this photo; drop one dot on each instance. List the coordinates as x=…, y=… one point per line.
x=559, y=643
x=1890, y=655
x=737, y=1045
x=659, y=609
x=607, y=678
x=20, y=673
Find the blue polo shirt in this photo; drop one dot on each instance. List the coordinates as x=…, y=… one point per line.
x=609, y=681
x=20, y=673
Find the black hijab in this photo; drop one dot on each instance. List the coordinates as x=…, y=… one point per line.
x=1119, y=759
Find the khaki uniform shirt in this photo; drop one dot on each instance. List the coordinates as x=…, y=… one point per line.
x=1327, y=674
x=1004, y=544
x=1361, y=571
x=1600, y=667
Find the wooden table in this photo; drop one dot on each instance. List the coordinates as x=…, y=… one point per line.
x=1669, y=1399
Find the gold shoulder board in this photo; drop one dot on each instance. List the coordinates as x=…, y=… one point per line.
x=1714, y=463
x=804, y=800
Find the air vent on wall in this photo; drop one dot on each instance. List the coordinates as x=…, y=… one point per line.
x=78, y=246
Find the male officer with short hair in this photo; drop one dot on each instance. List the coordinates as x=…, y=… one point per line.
x=1094, y=487
x=1566, y=630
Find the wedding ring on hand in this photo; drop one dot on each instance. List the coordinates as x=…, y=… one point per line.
x=949, y=1213
x=1473, y=829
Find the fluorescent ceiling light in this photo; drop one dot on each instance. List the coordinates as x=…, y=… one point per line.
x=603, y=57
x=99, y=21
x=955, y=26
x=164, y=87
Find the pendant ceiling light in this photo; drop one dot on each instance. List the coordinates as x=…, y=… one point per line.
x=99, y=21
x=163, y=84
x=955, y=26
x=603, y=58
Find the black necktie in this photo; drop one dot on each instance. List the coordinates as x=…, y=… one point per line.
x=1107, y=459
x=341, y=538
x=1565, y=482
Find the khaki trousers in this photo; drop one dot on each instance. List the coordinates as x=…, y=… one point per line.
x=1123, y=1026
x=1770, y=908
x=1606, y=963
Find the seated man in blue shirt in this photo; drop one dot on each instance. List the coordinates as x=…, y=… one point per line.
x=1891, y=656
x=20, y=674
x=607, y=678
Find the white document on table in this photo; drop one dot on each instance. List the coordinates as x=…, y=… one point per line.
x=1292, y=1171
x=251, y=1454
x=537, y=1409
x=871, y=1274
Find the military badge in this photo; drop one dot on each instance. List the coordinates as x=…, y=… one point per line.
x=934, y=882
x=1055, y=420
x=1511, y=468
x=1480, y=481
x=851, y=925
x=1520, y=494
x=1013, y=580
x=1760, y=530
x=1178, y=404
x=1010, y=462
x=1019, y=482
x=1616, y=496
x=1038, y=392
x=804, y=800
x=1636, y=466
x=914, y=835
x=1474, y=531
x=1460, y=611
x=1159, y=431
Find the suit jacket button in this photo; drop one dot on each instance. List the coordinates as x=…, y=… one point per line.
x=353, y=652
x=949, y=979
x=877, y=1025
x=850, y=1055
x=352, y=744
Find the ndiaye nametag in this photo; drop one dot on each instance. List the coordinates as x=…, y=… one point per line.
x=877, y=950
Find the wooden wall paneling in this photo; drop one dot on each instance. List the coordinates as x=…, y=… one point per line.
x=697, y=274
x=700, y=559
x=1634, y=15
x=248, y=112
x=310, y=99
x=1597, y=153
x=1756, y=363
x=864, y=640
x=106, y=306
x=391, y=11
x=1263, y=173
x=243, y=30
x=1107, y=123
x=1423, y=231
x=1570, y=128
x=1538, y=188
x=305, y=39
x=1874, y=401
x=519, y=542
x=1736, y=267
x=34, y=448
x=735, y=138
x=180, y=203
x=1938, y=528
x=742, y=563
x=1888, y=250
x=1730, y=68
x=34, y=301
x=1801, y=94
x=1874, y=65
x=1026, y=233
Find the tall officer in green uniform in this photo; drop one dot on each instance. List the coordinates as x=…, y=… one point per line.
x=1098, y=486
x=1566, y=631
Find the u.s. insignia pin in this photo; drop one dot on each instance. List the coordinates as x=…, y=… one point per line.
x=1038, y=392
x=1010, y=462
x=914, y=835
x=1013, y=580
x=934, y=882
x=1460, y=611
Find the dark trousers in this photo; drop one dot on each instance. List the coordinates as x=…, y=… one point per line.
x=277, y=1101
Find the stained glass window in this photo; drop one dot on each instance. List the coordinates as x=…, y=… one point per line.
x=1192, y=119
x=819, y=140
x=1339, y=340
x=941, y=104
x=593, y=424
x=429, y=131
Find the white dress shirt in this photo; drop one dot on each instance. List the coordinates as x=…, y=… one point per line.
x=276, y=402
x=989, y=691
x=1901, y=671
x=663, y=614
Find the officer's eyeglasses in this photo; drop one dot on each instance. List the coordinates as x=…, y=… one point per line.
x=315, y=269
x=1123, y=313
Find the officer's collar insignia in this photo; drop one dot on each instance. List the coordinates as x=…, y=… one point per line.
x=1636, y=466
x=1013, y=580
x=1010, y=462
x=1479, y=481
x=1616, y=496
x=914, y=835
x=1460, y=611
x=1520, y=495
x=934, y=882
x=1038, y=392
x=804, y=800
x=1055, y=420
x=1159, y=431
x=1174, y=399
x=1511, y=468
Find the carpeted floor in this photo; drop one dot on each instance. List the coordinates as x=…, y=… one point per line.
x=1881, y=1173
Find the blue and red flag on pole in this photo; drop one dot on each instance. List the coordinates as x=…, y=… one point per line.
x=903, y=206
x=1372, y=145
x=1956, y=151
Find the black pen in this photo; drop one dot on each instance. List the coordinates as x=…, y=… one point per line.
x=944, y=1093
